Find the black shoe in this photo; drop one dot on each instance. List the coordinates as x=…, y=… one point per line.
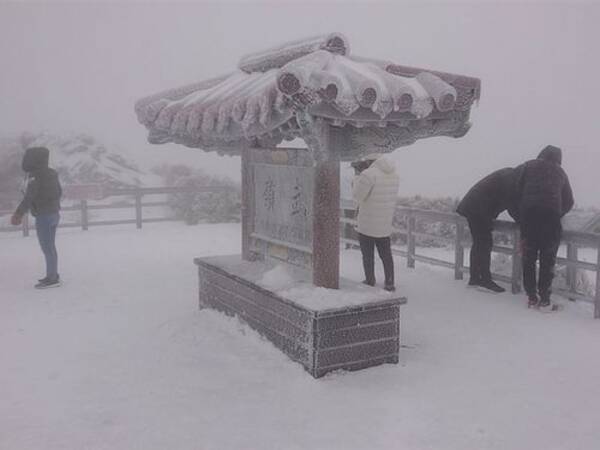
x=367, y=283
x=546, y=305
x=47, y=283
x=473, y=282
x=544, y=301
x=390, y=288
x=490, y=285
x=46, y=278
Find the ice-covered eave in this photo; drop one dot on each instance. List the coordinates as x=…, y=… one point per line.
x=258, y=103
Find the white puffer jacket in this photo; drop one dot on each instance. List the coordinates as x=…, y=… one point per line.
x=376, y=190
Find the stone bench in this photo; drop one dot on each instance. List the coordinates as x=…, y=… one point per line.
x=324, y=330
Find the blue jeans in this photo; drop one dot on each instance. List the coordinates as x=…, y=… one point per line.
x=45, y=225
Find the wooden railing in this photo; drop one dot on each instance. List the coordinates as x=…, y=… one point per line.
x=133, y=199
x=461, y=240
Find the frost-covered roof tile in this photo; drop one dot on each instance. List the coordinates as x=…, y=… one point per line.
x=316, y=75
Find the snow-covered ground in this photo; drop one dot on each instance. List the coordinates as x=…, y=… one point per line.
x=120, y=357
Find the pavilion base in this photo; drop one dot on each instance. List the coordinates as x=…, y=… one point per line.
x=354, y=329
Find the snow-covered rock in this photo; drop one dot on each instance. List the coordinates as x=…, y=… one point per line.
x=81, y=159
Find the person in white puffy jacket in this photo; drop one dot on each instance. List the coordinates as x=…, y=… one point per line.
x=375, y=189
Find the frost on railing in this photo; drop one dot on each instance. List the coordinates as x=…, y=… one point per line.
x=126, y=206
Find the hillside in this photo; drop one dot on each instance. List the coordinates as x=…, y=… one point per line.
x=78, y=158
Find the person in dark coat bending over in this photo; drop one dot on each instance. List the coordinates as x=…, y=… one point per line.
x=480, y=206
x=42, y=197
x=544, y=195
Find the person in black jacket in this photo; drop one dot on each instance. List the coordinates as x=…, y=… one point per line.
x=42, y=198
x=481, y=205
x=544, y=195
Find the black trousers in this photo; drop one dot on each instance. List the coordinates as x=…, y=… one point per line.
x=481, y=250
x=540, y=238
x=384, y=248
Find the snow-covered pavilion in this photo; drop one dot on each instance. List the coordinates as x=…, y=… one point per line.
x=343, y=106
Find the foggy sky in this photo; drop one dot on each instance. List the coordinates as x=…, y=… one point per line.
x=81, y=67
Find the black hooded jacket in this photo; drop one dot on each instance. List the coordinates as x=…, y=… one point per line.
x=43, y=189
x=542, y=184
x=490, y=196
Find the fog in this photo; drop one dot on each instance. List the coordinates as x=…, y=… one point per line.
x=80, y=67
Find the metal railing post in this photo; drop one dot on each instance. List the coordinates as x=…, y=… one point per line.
x=84, y=215
x=572, y=251
x=410, y=240
x=516, y=258
x=459, y=253
x=138, y=209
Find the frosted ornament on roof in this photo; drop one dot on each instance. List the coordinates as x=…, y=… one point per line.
x=402, y=93
x=296, y=75
x=281, y=55
x=443, y=94
x=422, y=104
x=345, y=100
x=371, y=91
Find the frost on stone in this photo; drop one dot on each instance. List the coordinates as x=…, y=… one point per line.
x=281, y=55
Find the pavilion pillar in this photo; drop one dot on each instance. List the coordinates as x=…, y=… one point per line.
x=326, y=210
x=326, y=225
x=247, y=211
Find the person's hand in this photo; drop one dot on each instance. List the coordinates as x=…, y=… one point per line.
x=16, y=219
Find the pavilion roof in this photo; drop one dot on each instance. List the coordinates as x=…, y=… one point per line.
x=260, y=100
